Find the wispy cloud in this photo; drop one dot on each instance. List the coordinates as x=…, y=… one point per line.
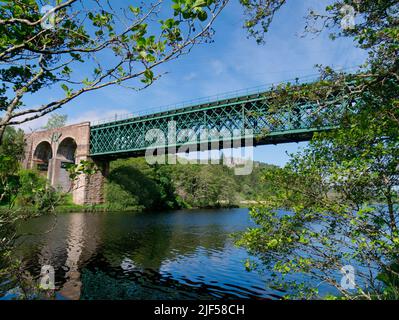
x=34, y=125
x=190, y=76
x=96, y=115
x=217, y=67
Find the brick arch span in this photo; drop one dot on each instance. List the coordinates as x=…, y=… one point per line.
x=42, y=157
x=65, y=155
x=68, y=144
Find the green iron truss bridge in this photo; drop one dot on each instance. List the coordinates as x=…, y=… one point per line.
x=234, y=114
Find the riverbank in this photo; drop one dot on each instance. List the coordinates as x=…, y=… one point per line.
x=74, y=208
x=106, y=208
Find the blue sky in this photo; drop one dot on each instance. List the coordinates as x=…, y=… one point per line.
x=231, y=62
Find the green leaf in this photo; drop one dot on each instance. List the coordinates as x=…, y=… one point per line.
x=199, y=3
x=135, y=10
x=202, y=15
x=65, y=87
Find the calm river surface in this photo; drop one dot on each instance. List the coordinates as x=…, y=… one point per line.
x=166, y=255
x=186, y=254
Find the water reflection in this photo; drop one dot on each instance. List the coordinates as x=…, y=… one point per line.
x=170, y=255
x=74, y=244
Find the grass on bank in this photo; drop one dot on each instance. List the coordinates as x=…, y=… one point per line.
x=67, y=206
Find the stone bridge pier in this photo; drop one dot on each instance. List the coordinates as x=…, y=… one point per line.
x=50, y=151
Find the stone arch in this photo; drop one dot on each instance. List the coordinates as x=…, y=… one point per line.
x=66, y=153
x=42, y=158
x=68, y=144
x=67, y=150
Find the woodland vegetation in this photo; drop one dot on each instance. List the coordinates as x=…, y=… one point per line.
x=180, y=185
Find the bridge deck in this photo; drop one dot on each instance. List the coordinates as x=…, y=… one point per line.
x=231, y=116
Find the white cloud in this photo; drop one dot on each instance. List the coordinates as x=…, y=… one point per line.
x=92, y=116
x=217, y=67
x=190, y=76
x=34, y=125
x=101, y=114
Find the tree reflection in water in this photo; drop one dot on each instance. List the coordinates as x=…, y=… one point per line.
x=169, y=255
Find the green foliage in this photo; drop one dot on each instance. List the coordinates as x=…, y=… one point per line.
x=344, y=205
x=13, y=143
x=52, y=50
x=341, y=191
x=253, y=186
x=164, y=179
x=118, y=198
x=134, y=183
x=83, y=167
x=11, y=152
x=205, y=185
x=259, y=16
x=35, y=192
x=31, y=184
x=8, y=179
x=7, y=236
x=55, y=121
x=390, y=279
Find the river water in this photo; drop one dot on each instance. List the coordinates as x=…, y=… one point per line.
x=166, y=255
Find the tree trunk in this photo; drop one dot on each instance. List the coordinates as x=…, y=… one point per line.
x=392, y=217
x=2, y=130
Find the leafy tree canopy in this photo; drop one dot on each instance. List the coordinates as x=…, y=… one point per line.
x=336, y=203
x=47, y=47
x=55, y=121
